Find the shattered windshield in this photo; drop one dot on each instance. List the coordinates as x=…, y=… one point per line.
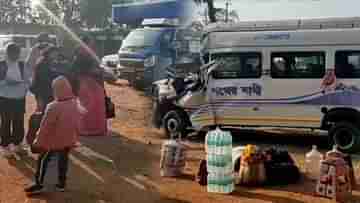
x=141, y=39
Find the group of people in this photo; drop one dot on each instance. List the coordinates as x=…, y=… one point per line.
x=71, y=102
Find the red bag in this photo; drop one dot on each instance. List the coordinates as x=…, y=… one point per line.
x=36, y=150
x=34, y=125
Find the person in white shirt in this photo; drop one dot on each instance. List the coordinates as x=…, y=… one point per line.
x=14, y=84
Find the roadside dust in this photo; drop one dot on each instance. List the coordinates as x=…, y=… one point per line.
x=124, y=167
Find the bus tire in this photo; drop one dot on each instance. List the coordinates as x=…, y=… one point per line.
x=346, y=136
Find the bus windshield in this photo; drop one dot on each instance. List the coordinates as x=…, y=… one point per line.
x=142, y=38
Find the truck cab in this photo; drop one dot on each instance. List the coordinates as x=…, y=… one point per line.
x=147, y=52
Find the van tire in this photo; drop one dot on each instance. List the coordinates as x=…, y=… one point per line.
x=173, y=122
x=346, y=136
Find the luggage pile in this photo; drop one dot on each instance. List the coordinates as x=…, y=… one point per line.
x=280, y=167
x=252, y=169
x=335, y=181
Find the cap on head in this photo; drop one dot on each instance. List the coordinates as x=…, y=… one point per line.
x=62, y=88
x=12, y=47
x=12, y=51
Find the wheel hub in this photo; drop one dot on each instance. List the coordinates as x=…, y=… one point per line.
x=173, y=125
x=344, y=139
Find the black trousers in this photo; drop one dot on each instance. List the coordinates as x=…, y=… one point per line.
x=62, y=157
x=12, y=129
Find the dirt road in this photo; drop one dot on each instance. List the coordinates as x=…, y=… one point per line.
x=123, y=167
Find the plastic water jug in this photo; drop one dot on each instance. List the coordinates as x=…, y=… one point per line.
x=218, y=145
x=312, y=163
x=173, y=158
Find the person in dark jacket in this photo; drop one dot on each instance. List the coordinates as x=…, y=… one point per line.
x=43, y=77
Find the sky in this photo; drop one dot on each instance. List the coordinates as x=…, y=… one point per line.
x=292, y=9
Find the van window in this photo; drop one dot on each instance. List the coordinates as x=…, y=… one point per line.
x=238, y=65
x=20, y=41
x=4, y=41
x=298, y=65
x=347, y=64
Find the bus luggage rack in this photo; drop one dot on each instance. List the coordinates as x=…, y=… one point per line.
x=301, y=24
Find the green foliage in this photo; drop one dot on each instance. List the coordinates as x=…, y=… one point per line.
x=15, y=11
x=68, y=11
x=95, y=13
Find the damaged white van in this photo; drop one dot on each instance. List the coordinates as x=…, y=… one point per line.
x=296, y=73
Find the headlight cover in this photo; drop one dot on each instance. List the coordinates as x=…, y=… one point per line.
x=150, y=61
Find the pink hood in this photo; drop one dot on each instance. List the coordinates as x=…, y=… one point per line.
x=60, y=125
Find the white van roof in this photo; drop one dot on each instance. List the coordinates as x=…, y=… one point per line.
x=278, y=33
x=292, y=24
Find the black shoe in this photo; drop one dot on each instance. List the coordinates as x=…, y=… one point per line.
x=34, y=189
x=60, y=188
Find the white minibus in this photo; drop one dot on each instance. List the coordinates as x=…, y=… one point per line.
x=296, y=73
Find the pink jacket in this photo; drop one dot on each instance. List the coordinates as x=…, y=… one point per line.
x=59, y=128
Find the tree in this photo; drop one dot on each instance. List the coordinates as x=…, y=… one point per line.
x=68, y=11
x=102, y=9
x=42, y=16
x=211, y=9
x=14, y=11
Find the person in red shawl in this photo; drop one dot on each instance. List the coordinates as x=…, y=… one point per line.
x=90, y=90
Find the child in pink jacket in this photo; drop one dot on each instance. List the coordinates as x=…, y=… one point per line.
x=57, y=135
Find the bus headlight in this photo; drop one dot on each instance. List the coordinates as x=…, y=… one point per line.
x=150, y=61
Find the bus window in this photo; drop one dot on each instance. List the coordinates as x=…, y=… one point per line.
x=238, y=65
x=347, y=64
x=298, y=65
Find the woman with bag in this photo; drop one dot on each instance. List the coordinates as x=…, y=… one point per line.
x=91, y=92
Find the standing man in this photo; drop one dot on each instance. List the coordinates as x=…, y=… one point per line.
x=14, y=84
x=43, y=41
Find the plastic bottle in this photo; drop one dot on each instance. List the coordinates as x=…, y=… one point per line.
x=216, y=142
x=312, y=163
x=209, y=183
x=208, y=142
